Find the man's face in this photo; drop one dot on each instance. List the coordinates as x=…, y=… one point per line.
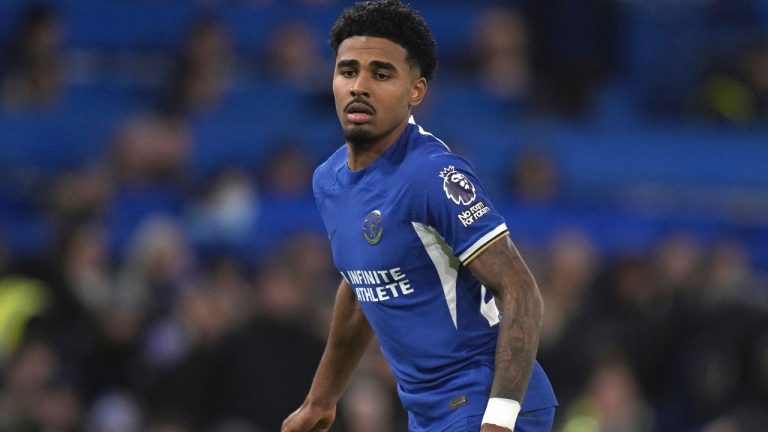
x=374, y=88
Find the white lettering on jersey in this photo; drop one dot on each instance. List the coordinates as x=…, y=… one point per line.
x=379, y=285
x=467, y=217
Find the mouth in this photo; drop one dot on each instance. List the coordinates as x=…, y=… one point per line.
x=359, y=112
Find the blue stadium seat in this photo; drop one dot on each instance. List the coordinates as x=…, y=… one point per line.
x=69, y=134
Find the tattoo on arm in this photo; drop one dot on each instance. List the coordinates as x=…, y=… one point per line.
x=502, y=270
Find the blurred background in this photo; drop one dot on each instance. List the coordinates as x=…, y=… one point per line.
x=163, y=266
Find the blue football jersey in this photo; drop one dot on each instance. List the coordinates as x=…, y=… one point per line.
x=400, y=230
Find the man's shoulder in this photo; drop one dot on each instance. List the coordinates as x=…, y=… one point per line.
x=331, y=165
x=428, y=157
x=325, y=173
x=424, y=150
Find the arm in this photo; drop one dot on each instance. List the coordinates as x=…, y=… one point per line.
x=348, y=339
x=501, y=269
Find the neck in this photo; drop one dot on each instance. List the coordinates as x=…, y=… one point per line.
x=362, y=154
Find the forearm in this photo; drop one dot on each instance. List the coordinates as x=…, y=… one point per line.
x=348, y=340
x=501, y=269
x=518, y=339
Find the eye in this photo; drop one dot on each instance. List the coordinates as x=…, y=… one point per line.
x=347, y=73
x=381, y=76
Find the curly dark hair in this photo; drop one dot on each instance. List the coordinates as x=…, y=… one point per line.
x=392, y=20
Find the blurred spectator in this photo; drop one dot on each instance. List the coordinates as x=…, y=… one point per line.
x=743, y=419
x=302, y=262
x=731, y=277
x=83, y=274
x=202, y=73
x=256, y=371
x=33, y=395
x=628, y=314
x=281, y=298
x=150, y=150
x=78, y=197
x=218, y=302
x=572, y=271
x=371, y=403
x=293, y=58
x=739, y=94
x=613, y=402
x=226, y=213
x=499, y=60
x=285, y=180
x=308, y=255
x=148, y=163
x=287, y=173
x=709, y=368
x=700, y=367
x=158, y=267
x=368, y=408
x=574, y=48
x=21, y=299
x=231, y=292
x=35, y=72
x=535, y=177
x=114, y=412
x=678, y=262
x=115, y=360
x=79, y=274
x=566, y=281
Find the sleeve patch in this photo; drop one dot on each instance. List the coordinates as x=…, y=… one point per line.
x=457, y=186
x=467, y=217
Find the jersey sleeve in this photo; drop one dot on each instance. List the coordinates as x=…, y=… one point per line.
x=320, y=181
x=454, y=202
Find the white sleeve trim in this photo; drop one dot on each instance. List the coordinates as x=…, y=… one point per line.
x=482, y=241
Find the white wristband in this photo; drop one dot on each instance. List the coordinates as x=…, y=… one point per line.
x=501, y=412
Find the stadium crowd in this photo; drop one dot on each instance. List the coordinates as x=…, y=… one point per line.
x=155, y=277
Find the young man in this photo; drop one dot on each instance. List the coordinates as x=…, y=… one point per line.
x=425, y=258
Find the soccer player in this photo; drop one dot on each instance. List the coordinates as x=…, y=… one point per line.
x=425, y=257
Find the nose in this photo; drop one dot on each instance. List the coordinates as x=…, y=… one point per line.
x=360, y=87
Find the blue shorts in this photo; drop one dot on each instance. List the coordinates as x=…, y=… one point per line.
x=532, y=421
x=429, y=410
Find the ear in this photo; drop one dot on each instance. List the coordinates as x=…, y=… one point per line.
x=418, y=91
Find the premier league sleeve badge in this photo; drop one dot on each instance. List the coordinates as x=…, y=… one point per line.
x=457, y=186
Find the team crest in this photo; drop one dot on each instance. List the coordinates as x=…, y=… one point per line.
x=457, y=186
x=372, y=227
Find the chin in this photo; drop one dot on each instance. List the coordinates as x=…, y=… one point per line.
x=358, y=136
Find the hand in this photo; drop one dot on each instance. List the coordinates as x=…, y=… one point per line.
x=486, y=427
x=309, y=418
